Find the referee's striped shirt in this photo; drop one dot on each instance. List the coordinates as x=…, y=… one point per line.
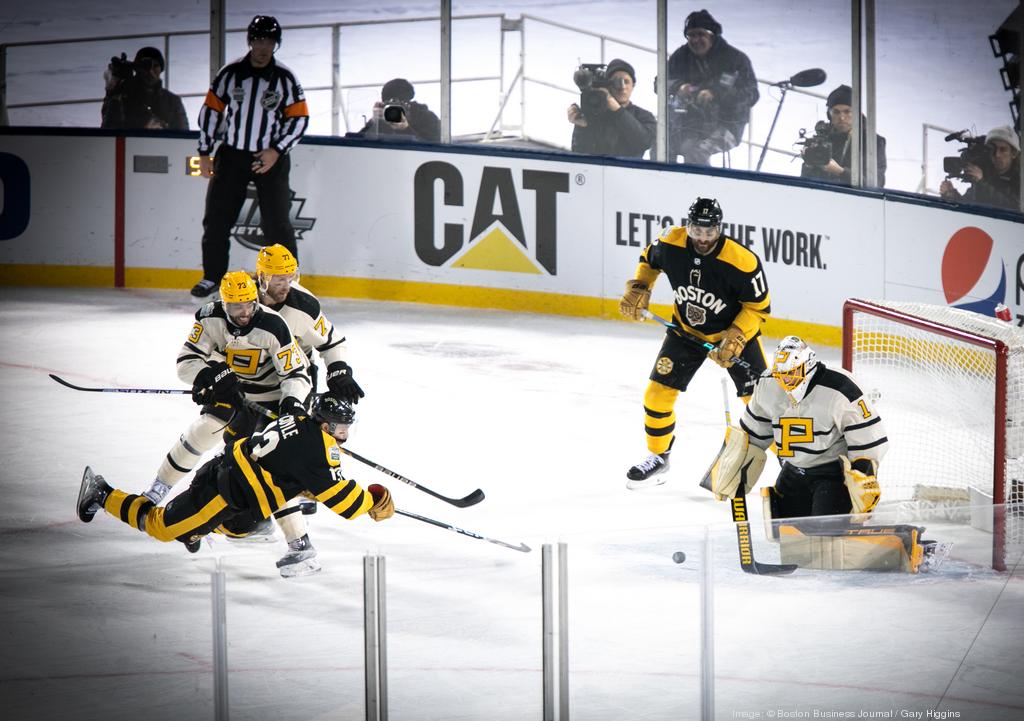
x=255, y=108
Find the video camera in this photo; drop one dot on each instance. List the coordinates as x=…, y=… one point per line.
x=974, y=152
x=124, y=69
x=590, y=78
x=817, y=148
x=395, y=111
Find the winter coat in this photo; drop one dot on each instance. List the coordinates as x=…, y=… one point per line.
x=424, y=125
x=133, y=105
x=726, y=72
x=840, y=144
x=628, y=131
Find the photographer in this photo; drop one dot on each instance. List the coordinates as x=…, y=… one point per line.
x=993, y=170
x=136, y=97
x=826, y=156
x=397, y=116
x=712, y=89
x=608, y=123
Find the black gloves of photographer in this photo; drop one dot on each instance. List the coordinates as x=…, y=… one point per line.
x=341, y=383
x=216, y=383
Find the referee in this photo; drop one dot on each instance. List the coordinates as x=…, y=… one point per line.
x=257, y=108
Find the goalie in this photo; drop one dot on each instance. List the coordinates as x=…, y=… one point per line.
x=830, y=441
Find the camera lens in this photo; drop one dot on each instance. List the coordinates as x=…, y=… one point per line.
x=394, y=113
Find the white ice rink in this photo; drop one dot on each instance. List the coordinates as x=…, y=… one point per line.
x=544, y=414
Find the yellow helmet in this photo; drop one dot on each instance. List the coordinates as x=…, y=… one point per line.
x=237, y=287
x=276, y=260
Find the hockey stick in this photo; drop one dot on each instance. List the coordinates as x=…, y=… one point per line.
x=522, y=547
x=738, y=504
x=471, y=500
x=176, y=391
x=694, y=339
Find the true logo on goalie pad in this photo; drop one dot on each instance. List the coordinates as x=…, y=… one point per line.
x=663, y=366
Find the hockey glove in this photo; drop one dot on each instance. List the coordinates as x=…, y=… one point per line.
x=292, y=406
x=729, y=348
x=864, y=489
x=341, y=383
x=635, y=300
x=383, y=507
x=215, y=383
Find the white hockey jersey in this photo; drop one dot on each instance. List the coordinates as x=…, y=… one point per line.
x=834, y=418
x=269, y=364
x=311, y=328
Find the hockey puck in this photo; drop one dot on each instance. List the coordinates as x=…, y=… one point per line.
x=678, y=556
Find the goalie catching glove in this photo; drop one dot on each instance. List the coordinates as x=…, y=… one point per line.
x=864, y=489
x=341, y=383
x=215, y=383
x=383, y=507
x=729, y=348
x=635, y=300
x=738, y=463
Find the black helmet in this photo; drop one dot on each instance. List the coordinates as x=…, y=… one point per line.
x=330, y=409
x=705, y=212
x=264, y=26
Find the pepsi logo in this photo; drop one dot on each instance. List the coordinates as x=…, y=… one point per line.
x=971, y=278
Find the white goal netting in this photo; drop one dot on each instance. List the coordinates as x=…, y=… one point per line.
x=954, y=416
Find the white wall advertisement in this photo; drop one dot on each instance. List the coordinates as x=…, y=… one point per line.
x=507, y=223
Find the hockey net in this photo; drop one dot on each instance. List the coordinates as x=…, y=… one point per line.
x=949, y=385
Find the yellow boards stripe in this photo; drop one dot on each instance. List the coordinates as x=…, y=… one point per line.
x=250, y=476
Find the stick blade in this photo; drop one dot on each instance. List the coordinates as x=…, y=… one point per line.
x=770, y=569
x=471, y=500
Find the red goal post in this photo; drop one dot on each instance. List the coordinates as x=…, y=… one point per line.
x=949, y=385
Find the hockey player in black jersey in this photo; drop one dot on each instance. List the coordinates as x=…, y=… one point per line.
x=255, y=476
x=721, y=297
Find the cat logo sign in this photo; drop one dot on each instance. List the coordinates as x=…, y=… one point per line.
x=497, y=240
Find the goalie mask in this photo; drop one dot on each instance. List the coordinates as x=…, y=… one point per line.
x=276, y=270
x=333, y=411
x=793, y=366
x=238, y=293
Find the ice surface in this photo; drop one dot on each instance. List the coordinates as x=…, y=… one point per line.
x=544, y=414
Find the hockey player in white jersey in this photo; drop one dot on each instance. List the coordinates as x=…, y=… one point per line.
x=830, y=441
x=236, y=349
x=277, y=277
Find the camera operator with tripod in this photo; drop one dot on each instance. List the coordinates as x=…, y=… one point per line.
x=396, y=116
x=136, y=98
x=826, y=155
x=712, y=88
x=605, y=122
x=991, y=164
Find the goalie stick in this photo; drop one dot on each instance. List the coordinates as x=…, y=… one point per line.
x=522, y=547
x=694, y=339
x=738, y=505
x=469, y=500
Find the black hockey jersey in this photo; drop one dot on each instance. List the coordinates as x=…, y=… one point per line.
x=711, y=292
x=290, y=456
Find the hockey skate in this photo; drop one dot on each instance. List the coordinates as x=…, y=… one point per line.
x=934, y=554
x=157, y=492
x=204, y=291
x=648, y=472
x=91, y=495
x=300, y=559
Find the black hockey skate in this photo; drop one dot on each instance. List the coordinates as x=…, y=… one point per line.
x=91, y=495
x=647, y=473
x=300, y=559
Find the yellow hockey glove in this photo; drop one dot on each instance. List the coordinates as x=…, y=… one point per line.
x=383, y=507
x=729, y=347
x=635, y=300
x=864, y=489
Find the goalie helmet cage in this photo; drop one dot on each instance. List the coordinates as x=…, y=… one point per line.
x=949, y=385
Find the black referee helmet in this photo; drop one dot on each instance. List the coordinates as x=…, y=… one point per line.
x=264, y=26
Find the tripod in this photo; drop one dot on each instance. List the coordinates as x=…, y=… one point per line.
x=803, y=79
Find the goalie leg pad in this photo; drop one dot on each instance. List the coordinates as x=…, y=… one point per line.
x=770, y=511
x=736, y=469
x=868, y=548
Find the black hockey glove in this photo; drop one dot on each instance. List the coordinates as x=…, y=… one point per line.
x=292, y=406
x=216, y=383
x=341, y=383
